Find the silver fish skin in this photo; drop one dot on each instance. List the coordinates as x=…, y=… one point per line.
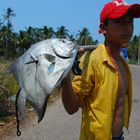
x=40, y=70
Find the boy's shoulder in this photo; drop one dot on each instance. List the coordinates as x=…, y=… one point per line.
x=94, y=55
x=98, y=52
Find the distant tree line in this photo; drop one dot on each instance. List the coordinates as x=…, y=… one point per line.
x=13, y=44
x=133, y=49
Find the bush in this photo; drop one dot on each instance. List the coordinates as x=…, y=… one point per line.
x=8, y=87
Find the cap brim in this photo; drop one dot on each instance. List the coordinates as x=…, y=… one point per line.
x=134, y=8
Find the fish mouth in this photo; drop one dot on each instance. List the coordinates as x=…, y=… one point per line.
x=64, y=54
x=63, y=48
x=61, y=56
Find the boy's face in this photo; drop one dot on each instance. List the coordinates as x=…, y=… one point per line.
x=119, y=31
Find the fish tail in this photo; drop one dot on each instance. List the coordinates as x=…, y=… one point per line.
x=41, y=112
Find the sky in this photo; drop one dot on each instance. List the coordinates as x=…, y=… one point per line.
x=73, y=14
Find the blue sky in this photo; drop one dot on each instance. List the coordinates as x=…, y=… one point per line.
x=73, y=14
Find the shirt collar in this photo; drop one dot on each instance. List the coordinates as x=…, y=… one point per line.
x=105, y=56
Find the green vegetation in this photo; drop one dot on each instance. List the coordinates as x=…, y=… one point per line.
x=133, y=50
x=8, y=87
x=13, y=44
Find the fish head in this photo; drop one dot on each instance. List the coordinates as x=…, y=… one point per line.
x=64, y=48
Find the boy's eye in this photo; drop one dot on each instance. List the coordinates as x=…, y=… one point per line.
x=118, y=21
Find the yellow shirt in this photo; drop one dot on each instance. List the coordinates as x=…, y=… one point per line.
x=97, y=90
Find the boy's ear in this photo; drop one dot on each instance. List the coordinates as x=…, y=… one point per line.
x=102, y=28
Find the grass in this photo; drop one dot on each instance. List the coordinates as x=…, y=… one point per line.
x=8, y=87
x=133, y=61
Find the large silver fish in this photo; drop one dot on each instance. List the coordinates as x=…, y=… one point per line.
x=40, y=70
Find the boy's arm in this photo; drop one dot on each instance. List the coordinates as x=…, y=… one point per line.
x=70, y=101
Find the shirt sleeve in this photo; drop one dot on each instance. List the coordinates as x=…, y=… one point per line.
x=83, y=84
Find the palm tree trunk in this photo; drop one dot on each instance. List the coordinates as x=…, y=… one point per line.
x=5, y=52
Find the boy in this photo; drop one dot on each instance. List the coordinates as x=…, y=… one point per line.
x=104, y=90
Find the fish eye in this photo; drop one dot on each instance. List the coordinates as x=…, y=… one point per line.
x=63, y=41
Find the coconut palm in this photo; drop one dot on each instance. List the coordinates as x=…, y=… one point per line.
x=48, y=32
x=133, y=49
x=62, y=32
x=7, y=17
x=71, y=38
x=1, y=23
x=7, y=30
x=83, y=37
x=5, y=37
x=23, y=42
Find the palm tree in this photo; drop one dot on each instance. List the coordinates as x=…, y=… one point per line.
x=71, y=38
x=133, y=48
x=5, y=35
x=1, y=23
x=48, y=32
x=23, y=42
x=37, y=34
x=12, y=45
x=62, y=32
x=19, y=43
x=7, y=17
x=84, y=37
x=30, y=32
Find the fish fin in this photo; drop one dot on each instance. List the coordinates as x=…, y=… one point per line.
x=11, y=68
x=30, y=62
x=34, y=59
x=41, y=111
x=49, y=57
x=20, y=103
x=58, y=84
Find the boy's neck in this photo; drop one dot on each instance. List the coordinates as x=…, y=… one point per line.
x=113, y=51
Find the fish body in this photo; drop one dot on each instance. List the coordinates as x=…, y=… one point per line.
x=40, y=70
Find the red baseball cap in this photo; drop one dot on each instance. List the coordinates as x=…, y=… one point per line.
x=116, y=9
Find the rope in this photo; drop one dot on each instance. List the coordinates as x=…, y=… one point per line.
x=17, y=118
